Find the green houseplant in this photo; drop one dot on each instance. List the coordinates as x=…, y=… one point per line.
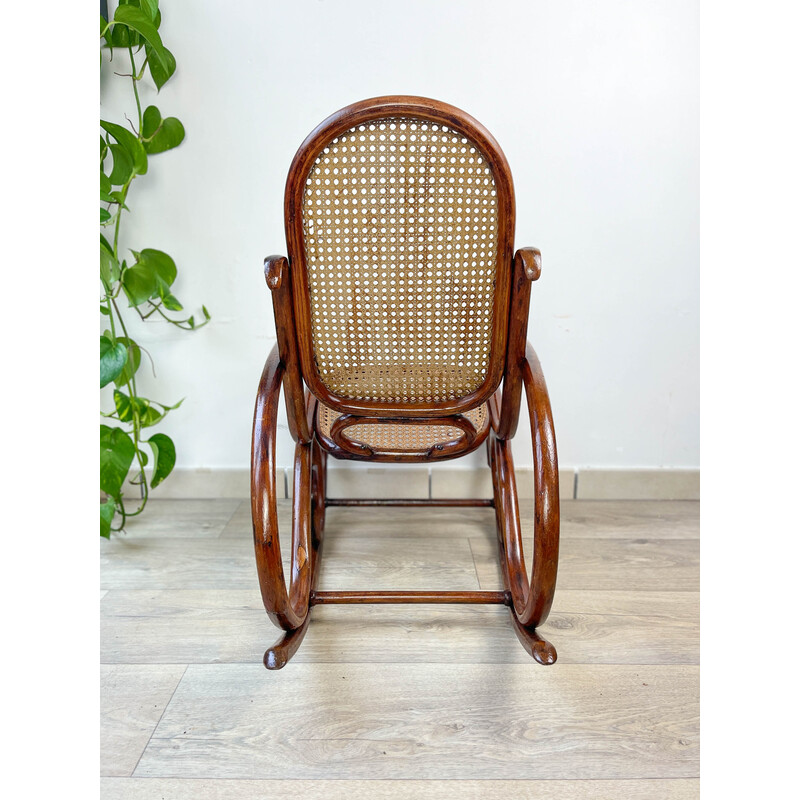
x=140, y=281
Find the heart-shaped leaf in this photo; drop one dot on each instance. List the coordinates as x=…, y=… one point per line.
x=150, y=276
x=163, y=455
x=140, y=283
x=133, y=362
x=128, y=407
x=122, y=170
x=160, y=134
x=107, y=510
x=160, y=72
x=169, y=134
x=151, y=119
x=113, y=358
x=109, y=268
x=116, y=455
x=162, y=264
x=138, y=21
x=131, y=144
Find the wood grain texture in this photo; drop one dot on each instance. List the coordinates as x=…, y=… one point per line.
x=435, y=561
x=217, y=626
x=616, y=519
x=176, y=564
x=443, y=563
x=585, y=519
x=241, y=521
x=429, y=721
x=172, y=601
x=132, y=699
x=608, y=564
x=182, y=518
x=177, y=789
x=382, y=521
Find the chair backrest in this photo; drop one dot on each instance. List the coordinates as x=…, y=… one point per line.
x=400, y=225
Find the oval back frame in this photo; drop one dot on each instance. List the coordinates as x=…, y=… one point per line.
x=334, y=126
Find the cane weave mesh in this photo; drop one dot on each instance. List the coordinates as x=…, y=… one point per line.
x=390, y=437
x=400, y=226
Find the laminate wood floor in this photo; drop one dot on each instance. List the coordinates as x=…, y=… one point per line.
x=401, y=701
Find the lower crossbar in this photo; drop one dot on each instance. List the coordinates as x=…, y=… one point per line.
x=435, y=502
x=324, y=598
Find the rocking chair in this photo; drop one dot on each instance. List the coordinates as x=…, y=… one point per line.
x=400, y=310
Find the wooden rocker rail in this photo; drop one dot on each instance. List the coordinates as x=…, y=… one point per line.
x=529, y=599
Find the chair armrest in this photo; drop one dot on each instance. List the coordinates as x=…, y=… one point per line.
x=276, y=273
x=531, y=260
x=527, y=268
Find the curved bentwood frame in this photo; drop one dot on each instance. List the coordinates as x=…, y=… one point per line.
x=291, y=365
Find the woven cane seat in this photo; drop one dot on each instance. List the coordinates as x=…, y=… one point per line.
x=391, y=437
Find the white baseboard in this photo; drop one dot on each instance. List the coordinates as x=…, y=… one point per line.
x=444, y=482
x=638, y=484
x=185, y=484
x=464, y=482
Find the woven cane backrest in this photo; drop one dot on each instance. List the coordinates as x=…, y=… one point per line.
x=400, y=222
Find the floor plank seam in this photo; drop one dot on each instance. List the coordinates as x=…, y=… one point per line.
x=227, y=522
x=161, y=716
x=474, y=563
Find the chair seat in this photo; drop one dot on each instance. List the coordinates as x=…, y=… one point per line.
x=392, y=437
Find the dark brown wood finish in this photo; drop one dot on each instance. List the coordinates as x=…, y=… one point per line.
x=531, y=599
x=275, y=272
x=291, y=364
x=432, y=502
x=431, y=111
x=286, y=609
x=469, y=597
x=505, y=414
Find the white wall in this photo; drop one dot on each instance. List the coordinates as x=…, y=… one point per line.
x=596, y=108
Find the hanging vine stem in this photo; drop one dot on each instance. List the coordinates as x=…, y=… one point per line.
x=146, y=283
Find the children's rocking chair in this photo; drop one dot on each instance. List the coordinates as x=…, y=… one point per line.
x=400, y=310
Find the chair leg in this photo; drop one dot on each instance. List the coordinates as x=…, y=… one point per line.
x=535, y=645
x=277, y=656
x=288, y=608
x=531, y=599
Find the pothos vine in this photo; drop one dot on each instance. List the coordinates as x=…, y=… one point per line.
x=145, y=283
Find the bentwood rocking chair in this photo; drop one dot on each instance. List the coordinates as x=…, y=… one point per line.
x=399, y=312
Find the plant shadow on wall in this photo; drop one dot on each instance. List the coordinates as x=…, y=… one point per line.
x=141, y=284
